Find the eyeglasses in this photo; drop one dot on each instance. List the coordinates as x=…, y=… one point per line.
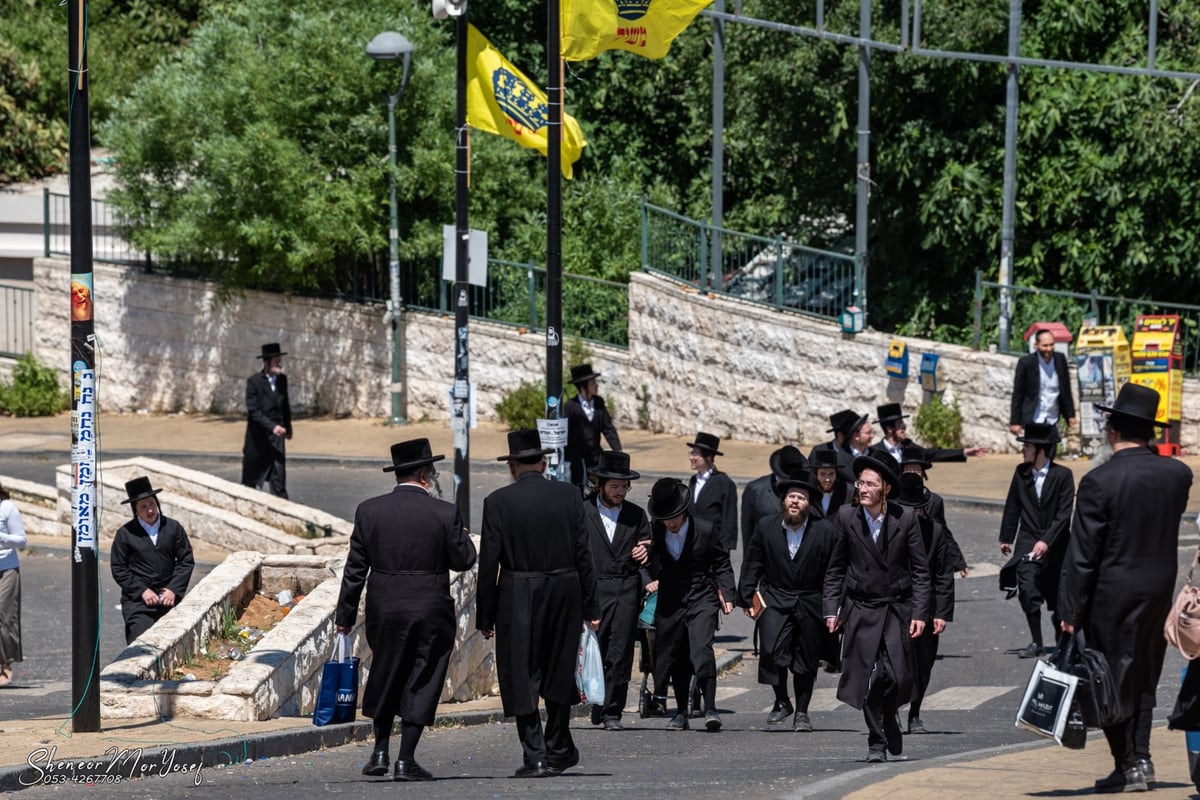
x=867, y=485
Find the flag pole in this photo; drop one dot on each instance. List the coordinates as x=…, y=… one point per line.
x=461, y=417
x=554, y=91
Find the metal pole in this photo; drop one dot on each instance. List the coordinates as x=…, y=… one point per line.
x=461, y=412
x=554, y=225
x=394, y=307
x=85, y=574
x=1012, y=101
x=864, y=158
x=718, y=144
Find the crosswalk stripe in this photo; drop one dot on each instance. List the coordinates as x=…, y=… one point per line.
x=825, y=700
x=963, y=698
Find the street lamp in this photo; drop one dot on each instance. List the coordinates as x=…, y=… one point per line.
x=389, y=46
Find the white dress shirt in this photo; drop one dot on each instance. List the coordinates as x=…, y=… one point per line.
x=794, y=537
x=608, y=516
x=675, y=541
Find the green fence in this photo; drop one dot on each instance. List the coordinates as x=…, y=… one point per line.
x=776, y=272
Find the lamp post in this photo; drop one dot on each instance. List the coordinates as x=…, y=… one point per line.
x=389, y=46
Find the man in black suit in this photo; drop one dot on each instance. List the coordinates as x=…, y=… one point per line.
x=268, y=424
x=1035, y=529
x=760, y=498
x=587, y=420
x=619, y=538
x=835, y=492
x=1041, y=387
x=151, y=560
x=713, y=493
x=1119, y=573
x=784, y=566
x=695, y=583
x=537, y=588
x=878, y=589
x=404, y=545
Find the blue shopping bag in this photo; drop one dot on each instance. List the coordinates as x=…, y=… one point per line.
x=337, y=697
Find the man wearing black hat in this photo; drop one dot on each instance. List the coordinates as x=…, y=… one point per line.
x=837, y=426
x=760, y=498
x=939, y=547
x=878, y=590
x=268, y=424
x=916, y=460
x=1035, y=529
x=695, y=583
x=151, y=560
x=537, y=588
x=713, y=493
x=784, y=571
x=895, y=438
x=402, y=549
x=1041, y=386
x=619, y=537
x=1118, y=576
x=587, y=419
x=835, y=492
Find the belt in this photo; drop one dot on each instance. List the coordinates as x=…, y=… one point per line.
x=516, y=573
x=617, y=577
x=879, y=602
x=409, y=571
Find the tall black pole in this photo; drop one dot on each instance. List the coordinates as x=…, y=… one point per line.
x=85, y=575
x=554, y=91
x=461, y=422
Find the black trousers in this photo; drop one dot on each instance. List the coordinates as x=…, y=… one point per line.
x=1129, y=740
x=883, y=729
x=139, y=617
x=620, y=603
x=925, y=648
x=553, y=745
x=270, y=470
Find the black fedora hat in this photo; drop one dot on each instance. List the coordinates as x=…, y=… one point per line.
x=878, y=463
x=1136, y=402
x=614, y=466
x=139, y=489
x=837, y=418
x=824, y=459
x=912, y=491
x=270, y=350
x=407, y=456
x=852, y=424
x=786, y=459
x=915, y=454
x=1041, y=433
x=582, y=373
x=798, y=479
x=524, y=444
x=889, y=412
x=707, y=442
x=668, y=498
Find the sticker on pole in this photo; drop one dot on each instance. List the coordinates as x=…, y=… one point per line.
x=553, y=432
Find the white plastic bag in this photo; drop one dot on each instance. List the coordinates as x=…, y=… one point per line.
x=589, y=669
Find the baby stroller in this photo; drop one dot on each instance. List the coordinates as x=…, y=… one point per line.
x=648, y=704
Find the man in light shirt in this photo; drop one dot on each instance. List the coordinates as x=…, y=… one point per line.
x=1041, y=387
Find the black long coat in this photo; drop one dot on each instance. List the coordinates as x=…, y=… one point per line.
x=839, y=497
x=583, y=435
x=138, y=564
x=1028, y=520
x=264, y=410
x=1027, y=381
x=688, y=604
x=1118, y=576
x=878, y=591
x=618, y=593
x=537, y=585
x=717, y=503
x=791, y=589
x=759, y=502
x=402, y=549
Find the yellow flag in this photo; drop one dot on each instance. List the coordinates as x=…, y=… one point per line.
x=501, y=100
x=645, y=27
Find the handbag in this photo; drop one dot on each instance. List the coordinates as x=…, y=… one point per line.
x=337, y=697
x=1046, y=704
x=589, y=669
x=1182, y=627
x=1099, y=699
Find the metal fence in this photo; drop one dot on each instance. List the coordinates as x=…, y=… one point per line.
x=1030, y=305
x=107, y=245
x=775, y=272
x=16, y=320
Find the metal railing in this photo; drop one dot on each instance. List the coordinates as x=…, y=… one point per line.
x=16, y=321
x=775, y=272
x=1029, y=305
x=107, y=245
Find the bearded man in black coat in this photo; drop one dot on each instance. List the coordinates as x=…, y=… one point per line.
x=402, y=549
x=1118, y=576
x=760, y=498
x=537, y=588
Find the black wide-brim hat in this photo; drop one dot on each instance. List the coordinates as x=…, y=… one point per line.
x=407, y=456
x=913, y=492
x=1043, y=433
x=915, y=454
x=786, y=459
x=798, y=479
x=889, y=412
x=270, y=350
x=876, y=463
x=708, y=443
x=824, y=459
x=614, y=466
x=837, y=419
x=1136, y=402
x=139, y=489
x=582, y=373
x=668, y=498
x=525, y=443
x=852, y=424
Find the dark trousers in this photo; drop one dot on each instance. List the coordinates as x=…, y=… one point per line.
x=139, y=617
x=883, y=729
x=554, y=745
x=925, y=648
x=620, y=602
x=270, y=470
x=1129, y=740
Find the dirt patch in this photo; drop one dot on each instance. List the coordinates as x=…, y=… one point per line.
x=220, y=652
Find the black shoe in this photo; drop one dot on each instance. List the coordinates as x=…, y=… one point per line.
x=613, y=725
x=377, y=765
x=1031, y=650
x=712, y=721
x=801, y=723
x=559, y=767
x=1147, y=768
x=891, y=729
x=782, y=710
x=1128, y=780
x=876, y=756
x=537, y=770
x=678, y=723
x=410, y=771
x=915, y=725
x=597, y=715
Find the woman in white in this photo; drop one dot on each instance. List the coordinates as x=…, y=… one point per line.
x=12, y=538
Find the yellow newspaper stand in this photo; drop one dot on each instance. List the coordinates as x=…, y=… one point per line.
x=1102, y=368
x=1157, y=362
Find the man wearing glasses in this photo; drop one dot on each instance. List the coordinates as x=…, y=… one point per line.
x=877, y=588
